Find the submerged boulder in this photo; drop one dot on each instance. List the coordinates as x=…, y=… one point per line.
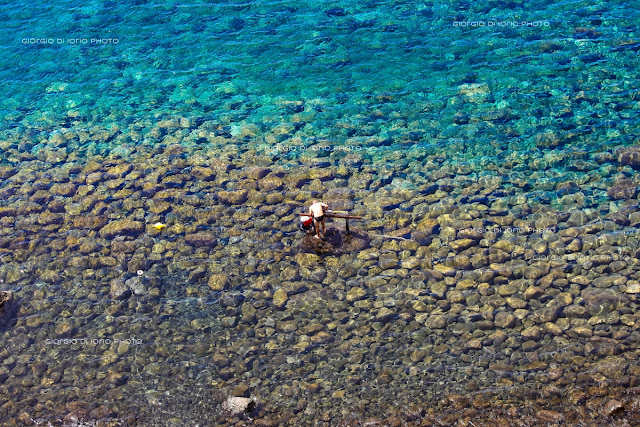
x=236, y=406
x=623, y=189
x=336, y=242
x=237, y=197
x=121, y=227
x=629, y=156
x=6, y=298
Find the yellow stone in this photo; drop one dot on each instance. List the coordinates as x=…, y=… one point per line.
x=339, y=394
x=280, y=298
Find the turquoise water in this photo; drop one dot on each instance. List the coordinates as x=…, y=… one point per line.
x=495, y=275
x=244, y=63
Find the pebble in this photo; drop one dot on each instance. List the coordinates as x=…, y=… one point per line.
x=201, y=239
x=136, y=285
x=388, y=260
x=504, y=320
x=461, y=244
x=280, y=298
x=612, y=406
x=203, y=173
x=531, y=333
x=121, y=227
x=633, y=287
x=236, y=406
x=119, y=289
x=237, y=197
x=356, y=294
x=550, y=416
x=218, y=281
x=436, y=321
x=428, y=226
x=384, y=314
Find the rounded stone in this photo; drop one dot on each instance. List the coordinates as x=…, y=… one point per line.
x=355, y=294
x=280, y=298
x=218, y=281
x=504, y=320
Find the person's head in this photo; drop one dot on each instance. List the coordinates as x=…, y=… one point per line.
x=314, y=202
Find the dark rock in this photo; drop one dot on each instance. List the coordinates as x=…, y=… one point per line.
x=121, y=246
x=136, y=264
x=611, y=407
x=629, y=156
x=121, y=227
x=550, y=416
x=548, y=314
x=623, y=189
x=504, y=320
x=119, y=289
x=65, y=190
x=90, y=222
x=6, y=298
x=7, y=211
x=385, y=377
x=567, y=187
x=256, y=172
x=229, y=299
x=203, y=238
x=203, y=174
x=102, y=413
x=388, y=260
x=7, y=172
x=236, y=197
x=336, y=242
x=601, y=300
x=634, y=219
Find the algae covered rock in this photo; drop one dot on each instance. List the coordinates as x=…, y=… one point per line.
x=218, y=281
x=201, y=239
x=428, y=226
x=280, y=298
x=203, y=173
x=236, y=197
x=121, y=227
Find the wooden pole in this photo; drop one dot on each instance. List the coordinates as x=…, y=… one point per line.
x=336, y=215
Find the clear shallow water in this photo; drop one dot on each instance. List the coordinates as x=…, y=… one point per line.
x=432, y=129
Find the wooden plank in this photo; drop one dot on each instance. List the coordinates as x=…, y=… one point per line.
x=336, y=215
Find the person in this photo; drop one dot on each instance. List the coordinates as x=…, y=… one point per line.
x=316, y=211
x=306, y=224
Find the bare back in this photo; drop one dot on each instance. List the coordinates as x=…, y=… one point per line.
x=317, y=209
